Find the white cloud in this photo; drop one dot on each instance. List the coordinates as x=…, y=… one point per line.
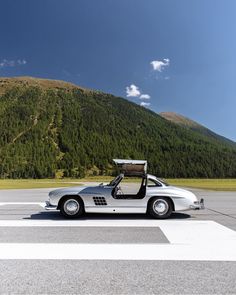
x=158, y=65
x=132, y=91
x=7, y=63
x=12, y=63
x=21, y=62
x=145, y=96
x=145, y=104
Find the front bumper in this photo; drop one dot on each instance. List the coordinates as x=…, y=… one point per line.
x=198, y=205
x=48, y=206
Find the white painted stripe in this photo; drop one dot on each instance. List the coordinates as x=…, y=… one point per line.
x=196, y=232
x=175, y=227
x=41, y=204
x=174, y=224
x=118, y=252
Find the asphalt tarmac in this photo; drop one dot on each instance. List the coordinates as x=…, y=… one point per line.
x=111, y=276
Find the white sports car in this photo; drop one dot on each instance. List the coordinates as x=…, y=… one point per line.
x=151, y=195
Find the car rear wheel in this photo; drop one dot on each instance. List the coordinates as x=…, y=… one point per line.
x=160, y=207
x=71, y=207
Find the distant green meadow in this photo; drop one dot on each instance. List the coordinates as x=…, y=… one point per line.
x=36, y=183
x=209, y=184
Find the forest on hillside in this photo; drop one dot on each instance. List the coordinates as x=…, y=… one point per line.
x=73, y=133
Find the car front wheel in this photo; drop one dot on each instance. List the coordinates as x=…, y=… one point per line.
x=160, y=207
x=71, y=207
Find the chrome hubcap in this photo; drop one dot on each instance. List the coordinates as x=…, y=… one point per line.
x=71, y=206
x=161, y=207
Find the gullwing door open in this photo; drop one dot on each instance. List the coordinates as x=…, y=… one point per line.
x=131, y=167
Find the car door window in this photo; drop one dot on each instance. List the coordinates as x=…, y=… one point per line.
x=130, y=187
x=153, y=183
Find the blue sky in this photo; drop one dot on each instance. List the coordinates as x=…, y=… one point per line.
x=181, y=54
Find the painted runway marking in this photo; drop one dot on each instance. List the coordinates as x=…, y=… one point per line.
x=101, y=222
x=41, y=204
x=189, y=240
x=207, y=252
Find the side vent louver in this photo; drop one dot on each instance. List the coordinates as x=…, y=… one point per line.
x=100, y=201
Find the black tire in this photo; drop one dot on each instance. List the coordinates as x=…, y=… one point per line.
x=165, y=207
x=72, y=207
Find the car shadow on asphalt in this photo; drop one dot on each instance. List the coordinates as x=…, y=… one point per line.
x=99, y=216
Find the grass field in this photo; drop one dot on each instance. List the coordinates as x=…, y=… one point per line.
x=210, y=184
x=36, y=183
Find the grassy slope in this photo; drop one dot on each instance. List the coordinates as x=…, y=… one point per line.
x=45, y=84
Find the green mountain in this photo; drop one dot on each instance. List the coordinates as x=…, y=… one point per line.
x=50, y=128
x=194, y=126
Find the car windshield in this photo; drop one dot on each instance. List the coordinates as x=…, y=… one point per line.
x=115, y=180
x=163, y=182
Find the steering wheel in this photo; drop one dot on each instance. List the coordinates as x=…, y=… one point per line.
x=119, y=191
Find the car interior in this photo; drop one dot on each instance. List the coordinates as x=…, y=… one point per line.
x=127, y=190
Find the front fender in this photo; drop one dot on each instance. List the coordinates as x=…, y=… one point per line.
x=56, y=195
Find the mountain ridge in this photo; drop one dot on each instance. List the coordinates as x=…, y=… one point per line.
x=194, y=126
